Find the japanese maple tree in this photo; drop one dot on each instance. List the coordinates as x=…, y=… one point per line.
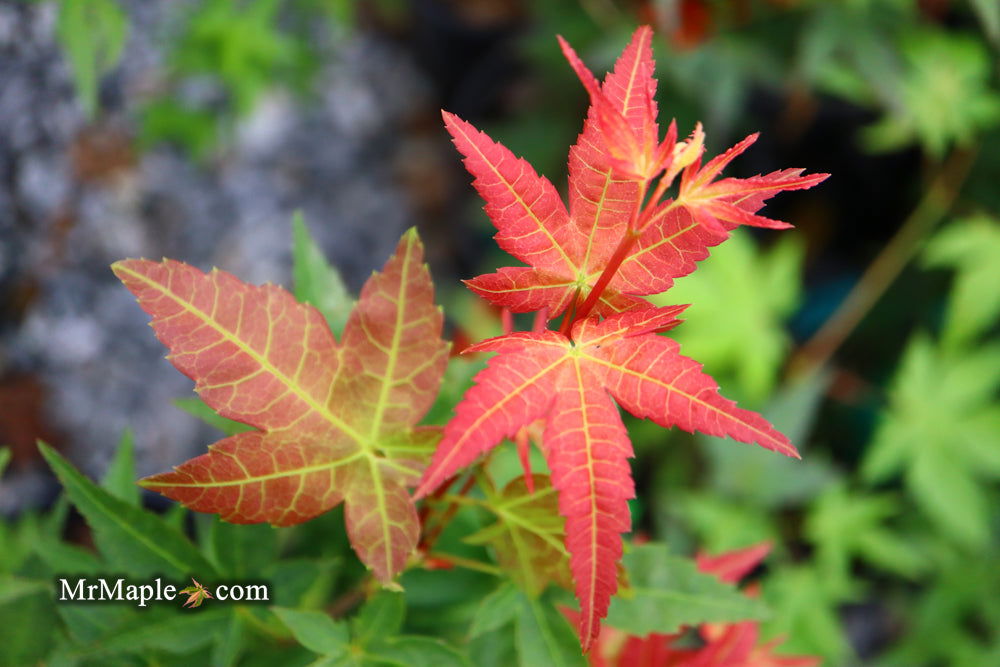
x=619, y=240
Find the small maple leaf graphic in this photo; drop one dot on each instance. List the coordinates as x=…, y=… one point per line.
x=196, y=594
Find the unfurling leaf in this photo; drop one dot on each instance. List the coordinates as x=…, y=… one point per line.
x=609, y=167
x=528, y=534
x=334, y=422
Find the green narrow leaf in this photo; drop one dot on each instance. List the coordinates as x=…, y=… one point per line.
x=93, y=34
x=764, y=481
x=420, y=652
x=169, y=631
x=667, y=592
x=4, y=459
x=131, y=539
x=316, y=281
x=238, y=551
x=496, y=610
x=229, y=643
x=87, y=622
x=64, y=558
x=26, y=619
x=493, y=649
x=380, y=617
x=969, y=247
x=196, y=407
x=119, y=480
x=316, y=631
x=544, y=636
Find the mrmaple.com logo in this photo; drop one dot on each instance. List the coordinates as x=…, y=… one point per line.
x=118, y=590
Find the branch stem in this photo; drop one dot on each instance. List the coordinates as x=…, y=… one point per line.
x=883, y=271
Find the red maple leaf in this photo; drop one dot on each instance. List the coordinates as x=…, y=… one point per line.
x=571, y=383
x=617, y=242
x=335, y=422
x=611, y=241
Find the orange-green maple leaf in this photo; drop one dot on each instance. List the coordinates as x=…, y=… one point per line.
x=335, y=422
x=573, y=383
x=615, y=157
x=196, y=594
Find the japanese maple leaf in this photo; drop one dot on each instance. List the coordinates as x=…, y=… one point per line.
x=607, y=228
x=196, y=594
x=335, y=422
x=570, y=382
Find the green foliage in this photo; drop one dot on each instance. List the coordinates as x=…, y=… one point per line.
x=734, y=325
x=844, y=526
x=667, y=592
x=236, y=41
x=371, y=639
x=92, y=34
x=316, y=281
x=944, y=94
x=131, y=540
x=970, y=247
x=940, y=433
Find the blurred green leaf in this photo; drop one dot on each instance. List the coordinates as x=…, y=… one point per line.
x=496, y=610
x=168, y=120
x=132, y=540
x=734, y=325
x=805, y=615
x=666, y=592
x=544, y=637
x=970, y=247
x=119, y=480
x=493, y=649
x=4, y=459
x=844, y=525
x=301, y=582
x=238, y=42
x=26, y=614
x=196, y=407
x=945, y=94
x=93, y=34
x=940, y=430
x=955, y=621
x=722, y=524
x=382, y=616
x=169, y=630
x=238, y=551
x=316, y=281
x=230, y=642
x=316, y=631
x=419, y=652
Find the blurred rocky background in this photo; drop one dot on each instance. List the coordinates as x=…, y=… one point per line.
x=193, y=130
